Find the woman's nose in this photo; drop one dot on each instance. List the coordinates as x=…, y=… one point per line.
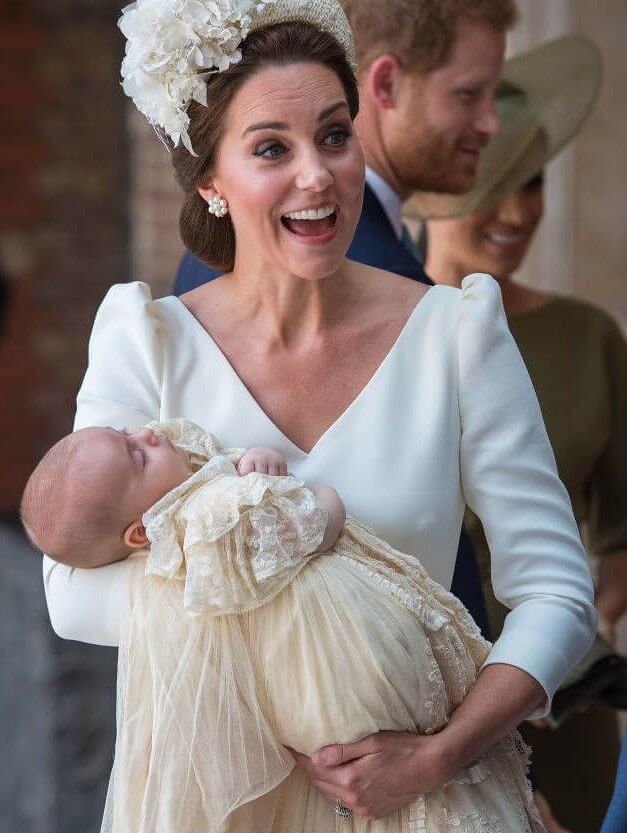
x=512, y=210
x=314, y=174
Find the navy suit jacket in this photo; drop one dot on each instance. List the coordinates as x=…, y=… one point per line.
x=376, y=244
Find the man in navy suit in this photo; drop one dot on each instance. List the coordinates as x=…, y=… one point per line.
x=426, y=110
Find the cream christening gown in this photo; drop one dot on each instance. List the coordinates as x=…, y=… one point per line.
x=241, y=639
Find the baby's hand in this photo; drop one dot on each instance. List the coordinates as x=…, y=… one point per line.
x=262, y=460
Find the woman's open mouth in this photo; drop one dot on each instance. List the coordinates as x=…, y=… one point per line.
x=313, y=223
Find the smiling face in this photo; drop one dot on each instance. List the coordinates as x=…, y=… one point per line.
x=494, y=240
x=443, y=118
x=292, y=171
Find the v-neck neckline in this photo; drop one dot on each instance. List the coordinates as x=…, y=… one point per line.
x=352, y=405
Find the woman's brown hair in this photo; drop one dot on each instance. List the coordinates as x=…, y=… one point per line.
x=210, y=238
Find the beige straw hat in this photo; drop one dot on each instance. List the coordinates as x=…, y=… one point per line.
x=544, y=97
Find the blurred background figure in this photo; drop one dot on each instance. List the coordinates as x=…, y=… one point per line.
x=577, y=359
x=616, y=818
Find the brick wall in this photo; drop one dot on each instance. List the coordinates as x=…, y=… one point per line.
x=21, y=154
x=63, y=211
x=156, y=247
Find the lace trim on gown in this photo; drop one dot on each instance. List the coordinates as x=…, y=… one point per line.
x=235, y=542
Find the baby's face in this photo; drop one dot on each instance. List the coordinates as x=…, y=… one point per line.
x=138, y=468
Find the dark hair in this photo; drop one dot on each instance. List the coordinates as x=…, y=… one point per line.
x=212, y=239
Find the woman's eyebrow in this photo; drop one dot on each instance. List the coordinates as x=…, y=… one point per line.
x=330, y=110
x=281, y=125
x=267, y=125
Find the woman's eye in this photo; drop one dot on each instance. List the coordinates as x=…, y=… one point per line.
x=337, y=137
x=140, y=455
x=269, y=150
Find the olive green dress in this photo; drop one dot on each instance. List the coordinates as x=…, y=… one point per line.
x=577, y=359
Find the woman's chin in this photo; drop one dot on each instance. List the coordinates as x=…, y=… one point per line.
x=315, y=267
x=315, y=258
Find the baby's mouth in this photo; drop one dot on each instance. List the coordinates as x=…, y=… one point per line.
x=311, y=222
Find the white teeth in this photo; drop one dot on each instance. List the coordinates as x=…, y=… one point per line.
x=311, y=213
x=505, y=239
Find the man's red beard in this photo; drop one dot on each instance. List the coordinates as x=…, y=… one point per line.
x=426, y=163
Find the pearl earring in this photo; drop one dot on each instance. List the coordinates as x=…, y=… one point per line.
x=218, y=206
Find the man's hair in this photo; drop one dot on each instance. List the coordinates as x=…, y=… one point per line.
x=420, y=33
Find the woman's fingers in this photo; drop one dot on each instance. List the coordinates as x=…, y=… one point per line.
x=378, y=774
x=341, y=753
x=318, y=774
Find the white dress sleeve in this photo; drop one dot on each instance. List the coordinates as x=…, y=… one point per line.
x=121, y=389
x=509, y=479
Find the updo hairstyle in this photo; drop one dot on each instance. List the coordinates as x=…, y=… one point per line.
x=210, y=238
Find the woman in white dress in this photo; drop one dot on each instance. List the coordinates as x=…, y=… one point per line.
x=412, y=402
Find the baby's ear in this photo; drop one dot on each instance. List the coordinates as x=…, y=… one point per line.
x=135, y=535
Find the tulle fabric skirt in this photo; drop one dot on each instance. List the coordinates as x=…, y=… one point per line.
x=360, y=641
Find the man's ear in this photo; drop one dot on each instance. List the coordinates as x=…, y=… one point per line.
x=382, y=78
x=135, y=535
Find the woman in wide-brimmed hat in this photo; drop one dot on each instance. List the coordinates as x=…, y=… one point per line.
x=577, y=359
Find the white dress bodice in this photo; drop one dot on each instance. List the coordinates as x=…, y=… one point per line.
x=449, y=418
x=399, y=486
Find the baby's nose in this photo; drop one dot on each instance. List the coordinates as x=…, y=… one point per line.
x=148, y=436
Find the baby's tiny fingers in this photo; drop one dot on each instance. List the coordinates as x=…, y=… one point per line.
x=245, y=467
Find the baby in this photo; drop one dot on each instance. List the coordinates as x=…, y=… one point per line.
x=260, y=617
x=83, y=505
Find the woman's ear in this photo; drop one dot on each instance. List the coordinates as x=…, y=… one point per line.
x=207, y=189
x=135, y=535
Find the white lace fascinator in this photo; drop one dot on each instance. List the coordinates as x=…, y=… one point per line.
x=173, y=45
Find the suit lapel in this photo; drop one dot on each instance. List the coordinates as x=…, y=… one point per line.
x=376, y=244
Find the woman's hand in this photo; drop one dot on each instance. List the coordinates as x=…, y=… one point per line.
x=262, y=460
x=379, y=774
x=382, y=772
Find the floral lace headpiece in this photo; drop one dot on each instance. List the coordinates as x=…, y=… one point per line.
x=173, y=45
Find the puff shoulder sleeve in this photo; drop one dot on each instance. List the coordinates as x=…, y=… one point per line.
x=509, y=479
x=121, y=389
